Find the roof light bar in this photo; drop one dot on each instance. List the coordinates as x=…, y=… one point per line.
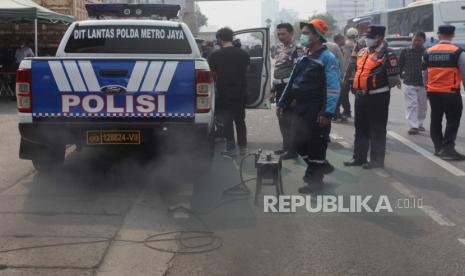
x=133, y=10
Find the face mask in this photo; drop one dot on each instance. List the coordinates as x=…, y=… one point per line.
x=305, y=40
x=371, y=42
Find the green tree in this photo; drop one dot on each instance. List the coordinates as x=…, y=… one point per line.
x=202, y=19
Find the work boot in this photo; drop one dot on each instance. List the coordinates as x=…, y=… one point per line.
x=413, y=131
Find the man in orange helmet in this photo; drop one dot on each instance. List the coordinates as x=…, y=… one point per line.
x=445, y=64
x=315, y=85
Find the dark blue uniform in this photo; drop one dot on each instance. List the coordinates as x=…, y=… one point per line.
x=314, y=86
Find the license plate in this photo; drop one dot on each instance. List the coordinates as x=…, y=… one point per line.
x=113, y=137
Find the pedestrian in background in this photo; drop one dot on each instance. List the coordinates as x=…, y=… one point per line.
x=230, y=66
x=445, y=63
x=286, y=57
x=23, y=52
x=336, y=51
x=362, y=24
x=344, y=101
x=376, y=73
x=412, y=72
x=315, y=86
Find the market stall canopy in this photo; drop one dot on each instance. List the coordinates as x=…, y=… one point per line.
x=29, y=10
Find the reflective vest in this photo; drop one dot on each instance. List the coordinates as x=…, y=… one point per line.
x=370, y=74
x=443, y=72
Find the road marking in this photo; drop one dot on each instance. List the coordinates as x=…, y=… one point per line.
x=345, y=144
x=402, y=189
x=445, y=165
x=428, y=210
x=462, y=241
x=336, y=136
x=436, y=216
x=380, y=173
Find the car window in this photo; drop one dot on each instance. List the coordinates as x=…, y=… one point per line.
x=128, y=39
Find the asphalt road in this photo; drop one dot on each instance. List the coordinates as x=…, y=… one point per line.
x=92, y=217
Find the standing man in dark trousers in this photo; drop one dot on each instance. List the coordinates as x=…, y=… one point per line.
x=376, y=73
x=230, y=66
x=315, y=85
x=445, y=63
x=286, y=56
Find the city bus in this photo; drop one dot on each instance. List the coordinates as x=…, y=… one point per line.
x=423, y=16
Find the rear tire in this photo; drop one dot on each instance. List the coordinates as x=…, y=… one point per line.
x=49, y=158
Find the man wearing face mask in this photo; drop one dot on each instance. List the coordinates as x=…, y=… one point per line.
x=315, y=86
x=376, y=73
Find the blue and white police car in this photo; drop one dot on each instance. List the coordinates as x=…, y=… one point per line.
x=116, y=82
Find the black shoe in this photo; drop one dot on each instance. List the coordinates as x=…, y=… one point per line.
x=413, y=131
x=369, y=166
x=289, y=155
x=313, y=187
x=354, y=163
x=451, y=155
x=280, y=152
x=421, y=129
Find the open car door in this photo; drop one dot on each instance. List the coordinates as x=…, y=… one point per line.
x=257, y=43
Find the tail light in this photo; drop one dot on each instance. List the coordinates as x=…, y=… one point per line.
x=204, y=89
x=23, y=90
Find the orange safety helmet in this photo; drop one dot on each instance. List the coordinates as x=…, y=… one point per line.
x=318, y=25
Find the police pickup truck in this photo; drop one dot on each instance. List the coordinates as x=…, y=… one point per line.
x=126, y=82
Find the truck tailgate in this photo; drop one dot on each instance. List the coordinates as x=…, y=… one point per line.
x=113, y=88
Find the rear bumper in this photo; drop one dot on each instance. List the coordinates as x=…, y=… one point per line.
x=49, y=133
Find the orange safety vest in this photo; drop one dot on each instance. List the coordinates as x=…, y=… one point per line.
x=443, y=71
x=370, y=73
